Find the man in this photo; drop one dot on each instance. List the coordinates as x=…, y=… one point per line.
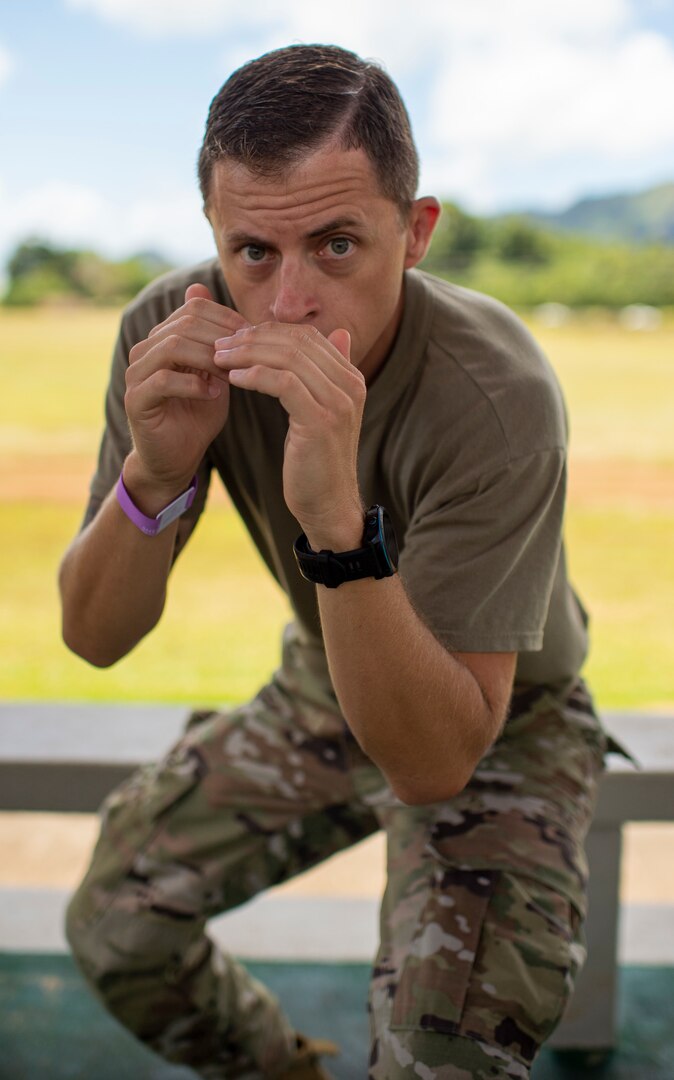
x=345, y=399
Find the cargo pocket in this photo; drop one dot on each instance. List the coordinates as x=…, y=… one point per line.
x=132, y=815
x=494, y=957
x=527, y=959
x=435, y=976
x=153, y=789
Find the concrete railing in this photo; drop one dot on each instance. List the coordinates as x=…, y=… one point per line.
x=66, y=757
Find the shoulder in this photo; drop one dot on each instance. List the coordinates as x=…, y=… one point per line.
x=493, y=370
x=165, y=294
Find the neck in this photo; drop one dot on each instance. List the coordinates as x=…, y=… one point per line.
x=379, y=353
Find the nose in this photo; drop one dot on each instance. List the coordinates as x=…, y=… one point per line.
x=294, y=300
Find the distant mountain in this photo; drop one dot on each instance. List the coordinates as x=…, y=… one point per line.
x=643, y=217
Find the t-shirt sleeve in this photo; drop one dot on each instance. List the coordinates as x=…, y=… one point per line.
x=479, y=564
x=116, y=441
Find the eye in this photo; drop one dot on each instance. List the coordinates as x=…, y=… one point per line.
x=339, y=246
x=253, y=253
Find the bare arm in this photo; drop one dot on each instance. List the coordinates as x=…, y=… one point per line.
x=113, y=578
x=113, y=585
x=424, y=715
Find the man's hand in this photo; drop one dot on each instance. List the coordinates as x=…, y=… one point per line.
x=423, y=715
x=177, y=399
x=324, y=396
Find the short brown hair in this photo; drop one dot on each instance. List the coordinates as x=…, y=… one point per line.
x=275, y=109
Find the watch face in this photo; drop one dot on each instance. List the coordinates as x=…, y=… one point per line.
x=380, y=534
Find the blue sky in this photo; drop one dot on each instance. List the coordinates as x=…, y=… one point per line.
x=514, y=103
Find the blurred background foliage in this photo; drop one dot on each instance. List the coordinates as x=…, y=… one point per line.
x=525, y=263
x=607, y=252
x=39, y=272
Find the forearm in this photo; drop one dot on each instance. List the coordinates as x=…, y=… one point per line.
x=416, y=710
x=423, y=715
x=113, y=577
x=113, y=585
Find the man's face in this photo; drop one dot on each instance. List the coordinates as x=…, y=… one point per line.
x=319, y=245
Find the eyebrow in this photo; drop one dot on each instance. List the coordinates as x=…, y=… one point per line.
x=236, y=237
x=337, y=225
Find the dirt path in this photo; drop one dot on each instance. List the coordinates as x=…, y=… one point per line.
x=621, y=483
x=56, y=478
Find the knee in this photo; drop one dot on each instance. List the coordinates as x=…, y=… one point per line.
x=127, y=957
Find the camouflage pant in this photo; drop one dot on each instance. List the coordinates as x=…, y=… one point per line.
x=480, y=922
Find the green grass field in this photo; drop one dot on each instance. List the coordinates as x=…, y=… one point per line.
x=219, y=636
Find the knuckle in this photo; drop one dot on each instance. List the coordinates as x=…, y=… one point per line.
x=357, y=385
x=288, y=379
x=135, y=352
x=307, y=336
x=327, y=418
x=160, y=379
x=308, y=333
x=296, y=355
x=343, y=407
x=172, y=343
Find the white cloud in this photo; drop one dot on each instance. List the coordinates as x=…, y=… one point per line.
x=510, y=85
x=161, y=18
x=76, y=216
x=379, y=25
x=609, y=99
x=535, y=102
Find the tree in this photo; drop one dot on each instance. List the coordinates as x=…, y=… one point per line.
x=457, y=239
x=519, y=241
x=39, y=272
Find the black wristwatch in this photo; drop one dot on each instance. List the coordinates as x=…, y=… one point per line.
x=377, y=558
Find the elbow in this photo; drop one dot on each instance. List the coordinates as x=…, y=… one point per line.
x=432, y=781
x=86, y=649
x=439, y=781
x=418, y=792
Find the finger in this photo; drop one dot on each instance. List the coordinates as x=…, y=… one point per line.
x=319, y=364
x=337, y=416
x=341, y=339
x=197, y=327
x=165, y=384
x=326, y=385
x=306, y=338
x=207, y=309
x=284, y=385
x=173, y=352
x=198, y=290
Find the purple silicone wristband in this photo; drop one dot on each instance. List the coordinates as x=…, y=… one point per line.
x=152, y=526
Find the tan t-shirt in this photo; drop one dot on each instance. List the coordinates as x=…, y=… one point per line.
x=463, y=440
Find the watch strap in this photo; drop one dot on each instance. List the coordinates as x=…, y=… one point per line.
x=372, y=560
x=153, y=526
x=333, y=569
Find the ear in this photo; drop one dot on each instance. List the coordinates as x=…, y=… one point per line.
x=422, y=220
